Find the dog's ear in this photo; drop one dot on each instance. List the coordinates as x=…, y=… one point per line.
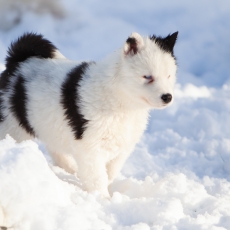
x=170, y=40
x=133, y=44
x=167, y=43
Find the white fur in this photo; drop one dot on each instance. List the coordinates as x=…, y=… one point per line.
x=115, y=98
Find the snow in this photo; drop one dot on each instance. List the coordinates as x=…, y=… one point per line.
x=178, y=177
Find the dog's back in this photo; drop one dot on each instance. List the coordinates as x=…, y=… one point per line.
x=13, y=97
x=29, y=85
x=38, y=97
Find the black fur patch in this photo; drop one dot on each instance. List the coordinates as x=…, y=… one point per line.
x=18, y=105
x=1, y=109
x=29, y=45
x=26, y=46
x=70, y=99
x=167, y=43
x=4, y=79
x=132, y=45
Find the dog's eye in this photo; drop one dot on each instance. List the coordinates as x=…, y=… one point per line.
x=149, y=78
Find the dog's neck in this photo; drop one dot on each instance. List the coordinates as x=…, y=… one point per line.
x=102, y=85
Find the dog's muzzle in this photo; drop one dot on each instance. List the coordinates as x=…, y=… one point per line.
x=166, y=98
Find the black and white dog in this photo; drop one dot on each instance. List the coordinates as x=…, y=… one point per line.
x=89, y=115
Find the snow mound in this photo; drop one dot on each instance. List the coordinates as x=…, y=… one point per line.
x=33, y=197
x=192, y=91
x=35, y=194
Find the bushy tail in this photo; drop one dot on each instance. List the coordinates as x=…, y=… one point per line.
x=29, y=45
x=26, y=46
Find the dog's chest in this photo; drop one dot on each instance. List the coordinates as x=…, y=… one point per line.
x=118, y=133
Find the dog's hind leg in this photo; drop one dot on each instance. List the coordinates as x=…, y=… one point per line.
x=65, y=161
x=11, y=126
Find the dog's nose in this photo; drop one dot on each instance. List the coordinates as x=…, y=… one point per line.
x=166, y=98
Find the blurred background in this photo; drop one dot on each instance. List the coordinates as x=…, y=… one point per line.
x=92, y=29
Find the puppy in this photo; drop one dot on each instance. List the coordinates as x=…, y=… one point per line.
x=89, y=115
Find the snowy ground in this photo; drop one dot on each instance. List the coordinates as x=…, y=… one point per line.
x=179, y=174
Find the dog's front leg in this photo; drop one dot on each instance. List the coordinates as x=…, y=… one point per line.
x=92, y=172
x=115, y=165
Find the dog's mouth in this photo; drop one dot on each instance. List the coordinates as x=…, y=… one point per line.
x=146, y=101
x=159, y=106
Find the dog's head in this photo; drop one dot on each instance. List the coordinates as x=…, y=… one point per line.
x=148, y=69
